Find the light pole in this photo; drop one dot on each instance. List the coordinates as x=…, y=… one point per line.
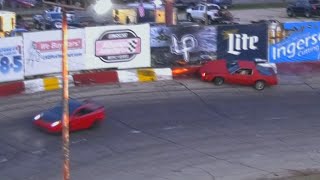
x=206, y=13
x=65, y=87
x=100, y=7
x=65, y=119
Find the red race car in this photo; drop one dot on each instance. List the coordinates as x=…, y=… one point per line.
x=241, y=72
x=83, y=115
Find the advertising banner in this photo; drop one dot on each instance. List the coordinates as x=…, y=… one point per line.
x=118, y=47
x=43, y=51
x=182, y=45
x=294, y=42
x=245, y=42
x=11, y=63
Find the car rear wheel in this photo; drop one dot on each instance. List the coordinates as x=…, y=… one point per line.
x=189, y=17
x=259, y=85
x=218, y=81
x=211, y=21
x=290, y=13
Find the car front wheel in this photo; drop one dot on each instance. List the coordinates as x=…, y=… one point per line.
x=307, y=14
x=95, y=124
x=218, y=81
x=259, y=85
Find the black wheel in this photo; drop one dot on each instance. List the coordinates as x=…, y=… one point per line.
x=307, y=14
x=43, y=27
x=95, y=124
x=218, y=81
x=212, y=21
x=189, y=17
x=290, y=13
x=37, y=26
x=259, y=85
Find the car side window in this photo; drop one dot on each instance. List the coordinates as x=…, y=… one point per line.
x=83, y=111
x=47, y=16
x=202, y=8
x=213, y=8
x=301, y=3
x=244, y=72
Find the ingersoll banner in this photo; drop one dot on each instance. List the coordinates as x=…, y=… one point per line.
x=246, y=42
x=295, y=42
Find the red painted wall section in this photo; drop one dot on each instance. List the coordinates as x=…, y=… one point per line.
x=106, y=77
x=11, y=88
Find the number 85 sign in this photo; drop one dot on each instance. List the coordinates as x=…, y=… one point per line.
x=11, y=59
x=10, y=64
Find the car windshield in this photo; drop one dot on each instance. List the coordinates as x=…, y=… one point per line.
x=56, y=16
x=232, y=67
x=267, y=71
x=55, y=114
x=314, y=1
x=212, y=8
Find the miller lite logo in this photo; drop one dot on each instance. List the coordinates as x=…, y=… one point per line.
x=239, y=42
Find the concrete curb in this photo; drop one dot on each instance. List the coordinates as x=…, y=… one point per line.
x=86, y=78
x=133, y=75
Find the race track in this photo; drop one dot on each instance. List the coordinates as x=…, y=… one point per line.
x=174, y=130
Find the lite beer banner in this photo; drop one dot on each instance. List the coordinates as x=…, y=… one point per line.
x=295, y=42
x=182, y=45
x=11, y=63
x=43, y=51
x=245, y=42
x=118, y=47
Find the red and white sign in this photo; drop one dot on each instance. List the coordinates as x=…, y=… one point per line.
x=121, y=46
x=118, y=47
x=43, y=51
x=43, y=46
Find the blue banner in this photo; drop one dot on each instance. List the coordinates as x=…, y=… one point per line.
x=242, y=41
x=294, y=42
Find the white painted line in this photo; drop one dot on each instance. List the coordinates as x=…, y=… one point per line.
x=3, y=159
x=171, y=127
x=135, y=132
x=79, y=141
x=41, y=151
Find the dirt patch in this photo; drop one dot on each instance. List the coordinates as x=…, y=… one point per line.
x=308, y=174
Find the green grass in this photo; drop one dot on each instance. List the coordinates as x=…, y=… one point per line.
x=258, y=6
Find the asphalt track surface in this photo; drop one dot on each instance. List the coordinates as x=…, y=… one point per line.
x=171, y=130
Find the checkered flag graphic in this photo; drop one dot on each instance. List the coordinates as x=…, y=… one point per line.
x=132, y=45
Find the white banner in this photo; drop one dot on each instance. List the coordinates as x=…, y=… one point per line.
x=11, y=63
x=43, y=51
x=120, y=46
